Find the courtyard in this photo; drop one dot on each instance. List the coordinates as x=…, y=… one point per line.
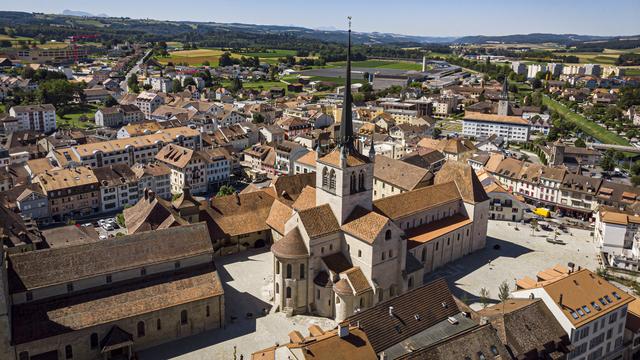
x=252, y=324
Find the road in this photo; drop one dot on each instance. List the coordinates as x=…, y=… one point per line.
x=134, y=70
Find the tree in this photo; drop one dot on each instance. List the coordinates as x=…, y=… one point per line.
x=57, y=92
x=484, y=297
x=504, y=293
x=225, y=190
x=189, y=81
x=580, y=143
x=110, y=102
x=132, y=83
x=225, y=60
x=635, y=180
x=10, y=32
x=534, y=226
x=177, y=86
x=206, y=63
x=257, y=118
x=236, y=85
x=5, y=43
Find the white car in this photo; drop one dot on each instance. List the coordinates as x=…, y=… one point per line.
x=108, y=227
x=87, y=225
x=103, y=237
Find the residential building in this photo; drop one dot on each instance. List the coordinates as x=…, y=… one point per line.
x=617, y=237
x=519, y=67
x=96, y=95
x=18, y=235
x=306, y=163
x=41, y=118
x=139, y=129
x=103, y=308
x=118, y=115
x=534, y=69
x=511, y=128
x=71, y=192
x=188, y=168
x=294, y=126
x=148, y=102
x=153, y=176
x=578, y=195
x=503, y=205
x=218, y=167
x=591, y=310
x=133, y=149
x=118, y=186
x=287, y=152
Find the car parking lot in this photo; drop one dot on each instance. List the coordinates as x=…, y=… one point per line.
x=107, y=227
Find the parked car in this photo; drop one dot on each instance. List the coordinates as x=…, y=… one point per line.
x=87, y=225
x=108, y=227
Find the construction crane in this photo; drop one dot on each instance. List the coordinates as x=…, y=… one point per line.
x=74, y=43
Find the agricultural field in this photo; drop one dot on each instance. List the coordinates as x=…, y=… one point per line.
x=198, y=56
x=607, y=57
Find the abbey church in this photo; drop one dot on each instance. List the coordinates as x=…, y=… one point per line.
x=336, y=251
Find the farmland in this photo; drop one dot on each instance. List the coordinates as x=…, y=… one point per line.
x=382, y=64
x=199, y=56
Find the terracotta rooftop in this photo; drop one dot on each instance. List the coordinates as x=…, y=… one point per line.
x=291, y=246
x=352, y=159
x=319, y=221
x=475, y=116
x=465, y=178
x=399, y=173
x=411, y=202
x=66, y=178
x=433, y=230
x=238, y=214
x=365, y=225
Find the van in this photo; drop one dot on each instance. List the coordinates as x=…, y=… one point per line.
x=545, y=213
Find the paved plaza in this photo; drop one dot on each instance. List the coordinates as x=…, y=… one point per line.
x=247, y=278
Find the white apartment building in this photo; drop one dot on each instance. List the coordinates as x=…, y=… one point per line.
x=41, y=118
x=617, y=237
x=187, y=167
x=534, y=69
x=511, y=128
x=160, y=84
x=592, y=312
x=139, y=149
x=218, y=167
x=555, y=68
x=519, y=67
x=148, y=102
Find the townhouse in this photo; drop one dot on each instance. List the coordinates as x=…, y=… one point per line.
x=71, y=192
x=287, y=152
x=617, y=237
x=117, y=115
x=148, y=102
x=118, y=186
x=188, y=168
x=153, y=176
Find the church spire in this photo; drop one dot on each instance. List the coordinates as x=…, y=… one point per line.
x=346, y=125
x=505, y=90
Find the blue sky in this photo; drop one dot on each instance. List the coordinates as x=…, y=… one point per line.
x=415, y=17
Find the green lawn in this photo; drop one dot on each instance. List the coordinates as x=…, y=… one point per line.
x=632, y=72
x=589, y=127
x=71, y=119
x=2, y=108
x=382, y=64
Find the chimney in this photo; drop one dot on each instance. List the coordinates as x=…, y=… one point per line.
x=146, y=193
x=152, y=195
x=343, y=331
x=391, y=311
x=237, y=197
x=572, y=266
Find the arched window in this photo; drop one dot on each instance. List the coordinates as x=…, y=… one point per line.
x=352, y=184
x=94, y=340
x=301, y=271
x=380, y=295
x=410, y=283
x=361, y=302
x=68, y=352
x=361, y=181
x=332, y=179
x=277, y=267
x=140, y=328
x=158, y=324
x=423, y=256
x=208, y=311
x=387, y=235
x=183, y=317
x=289, y=271
x=277, y=288
x=288, y=292
x=325, y=177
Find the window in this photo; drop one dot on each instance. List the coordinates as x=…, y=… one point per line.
x=387, y=235
x=158, y=324
x=29, y=295
x=352, y=183
x=288, y=292
x=423, y=256
x=437, y=246
x=361, y=181
x=140, y=329
x=380, y=295
x=184, y=319
x=359, y=253
x=332, y=179
x=613, y=317
x=410, y=283
x=24, y=355
x=68, y=352
x=301, y=271
x=208, y=311
x=390, y=254
x=494, y=350
x=277, y=267
x=277, y=288
x=383, y=256
x=108, y=279
x=94, y=341
x=143, y=272
x=69, y=287
x=289, y=271
x=318, y=296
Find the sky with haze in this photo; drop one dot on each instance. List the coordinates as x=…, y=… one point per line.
x=412, y=17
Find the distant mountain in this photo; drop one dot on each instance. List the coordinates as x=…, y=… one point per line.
x=68, y=12
x=535, y=38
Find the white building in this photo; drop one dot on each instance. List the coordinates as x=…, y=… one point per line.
x=617, y=236
x=188, y=168
x=41, y=118
x=511, y=128
x=519, y=67
x=154, y=176
x=148, y=102
x=118, y=186
x=592, y=312
x=534, y=69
